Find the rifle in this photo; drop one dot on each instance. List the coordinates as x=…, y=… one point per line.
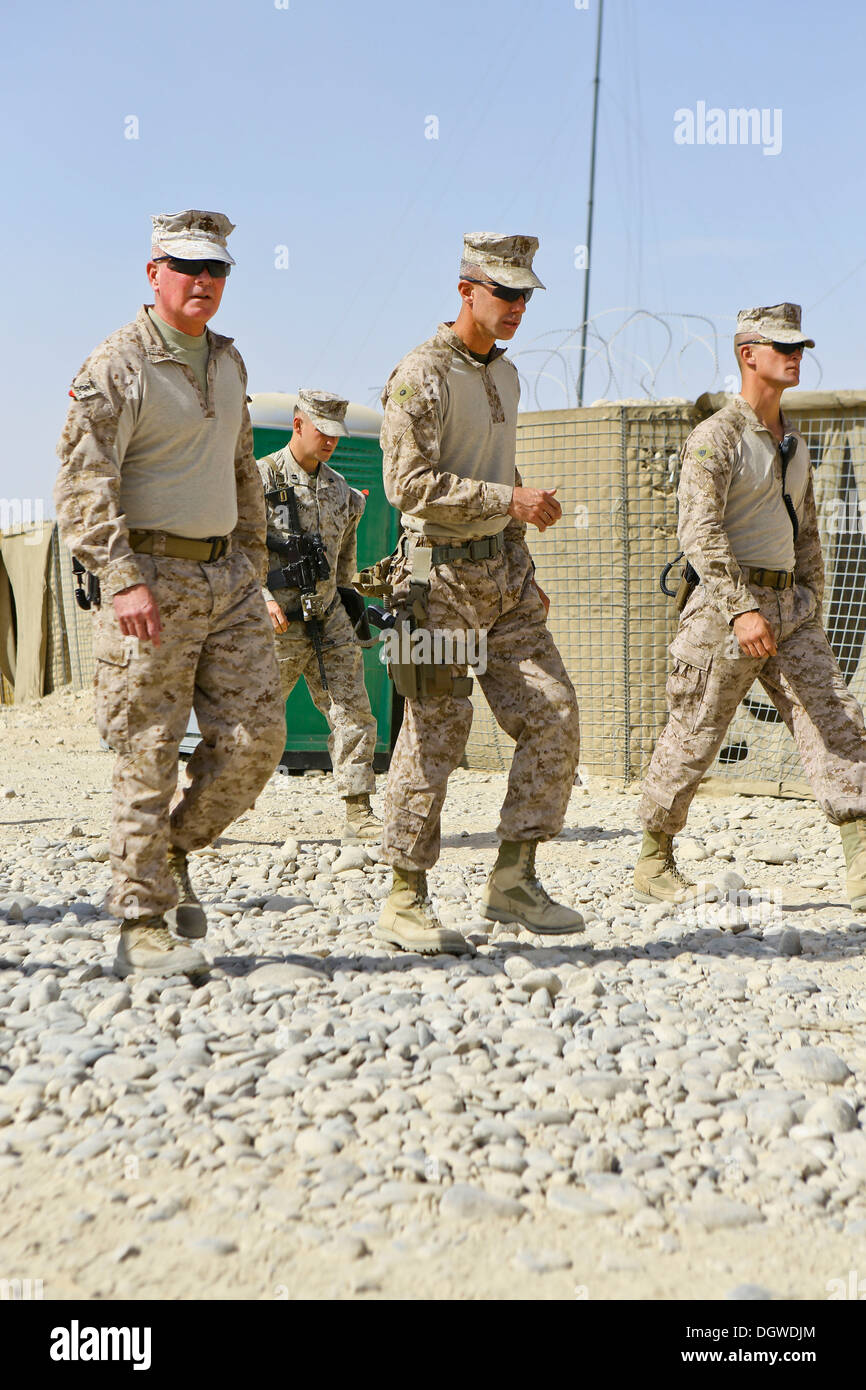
x=303, y=563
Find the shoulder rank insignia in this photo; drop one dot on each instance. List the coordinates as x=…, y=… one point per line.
x=83, y=390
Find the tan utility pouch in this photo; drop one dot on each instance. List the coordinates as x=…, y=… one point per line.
x=684, y=593
x=423, y=680
x=374, y=581
x=419, y=682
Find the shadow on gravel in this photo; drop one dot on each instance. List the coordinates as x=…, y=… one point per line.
x=822, y=907
x=482, y=839
x=831, y=948
x=33, y=820
x=584, y=834
x=593, y=834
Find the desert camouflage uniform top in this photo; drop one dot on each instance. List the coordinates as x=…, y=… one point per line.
x=429, y=478
x=714, y=461
x=326, y=504
x=108, y=401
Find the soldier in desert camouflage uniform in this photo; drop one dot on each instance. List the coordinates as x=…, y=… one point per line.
x=449, y=439
x=158, y=496
x=329, y=507
x=755, y=614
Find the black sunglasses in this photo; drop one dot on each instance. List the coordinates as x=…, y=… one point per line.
x=218, y=270
x=501, y=291
x=788, y=349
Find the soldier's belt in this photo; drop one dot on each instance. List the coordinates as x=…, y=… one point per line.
x=771, y=579
x=179, y=547
x=482, y=549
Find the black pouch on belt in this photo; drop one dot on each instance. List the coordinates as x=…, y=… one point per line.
x=88, y=593
x=687, y=585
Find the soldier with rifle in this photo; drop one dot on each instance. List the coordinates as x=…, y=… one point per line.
x=318, y=618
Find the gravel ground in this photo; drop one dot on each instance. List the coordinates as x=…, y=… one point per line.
x=667, y=1106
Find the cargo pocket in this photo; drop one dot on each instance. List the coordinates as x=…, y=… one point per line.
x=111, y=688
x=804, y=605
x=687, y=684
x=411, y=831
x=245, y=569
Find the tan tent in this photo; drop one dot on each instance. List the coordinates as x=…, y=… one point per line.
x=44, y=636
x=23, y=610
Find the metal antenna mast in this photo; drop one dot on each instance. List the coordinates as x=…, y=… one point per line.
x=589, y=209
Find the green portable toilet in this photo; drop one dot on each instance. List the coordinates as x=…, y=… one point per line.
x=359, y=459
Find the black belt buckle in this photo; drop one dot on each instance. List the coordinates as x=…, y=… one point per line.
x=494, y=545
x=218, y=548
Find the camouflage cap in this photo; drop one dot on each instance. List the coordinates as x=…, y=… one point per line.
x=193, y=235
x=780, y=323
x=327, y=412
x=505, y=259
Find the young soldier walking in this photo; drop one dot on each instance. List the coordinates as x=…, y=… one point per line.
x=449, y=439
x=748, y=527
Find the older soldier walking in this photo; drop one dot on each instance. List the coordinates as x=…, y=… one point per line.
x=326, y=507
x=158, y=495
x=748, y=527
x=449, y=439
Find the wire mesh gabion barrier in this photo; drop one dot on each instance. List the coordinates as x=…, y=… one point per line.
x=617, y=467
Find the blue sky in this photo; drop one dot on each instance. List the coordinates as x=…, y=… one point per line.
x=307, y=126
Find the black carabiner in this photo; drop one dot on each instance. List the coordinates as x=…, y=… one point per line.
x=670, y=593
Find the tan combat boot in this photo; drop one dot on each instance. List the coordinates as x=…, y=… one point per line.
x=361, y=825
x=512, y=893
x=854, y=844
x=147, y=947
x=188, y=918
x=657, y=878
x=407, y=918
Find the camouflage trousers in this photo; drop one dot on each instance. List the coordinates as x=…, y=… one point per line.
x=215, y=656
x=345, y=704
x=711, y=675
x=528, y=690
